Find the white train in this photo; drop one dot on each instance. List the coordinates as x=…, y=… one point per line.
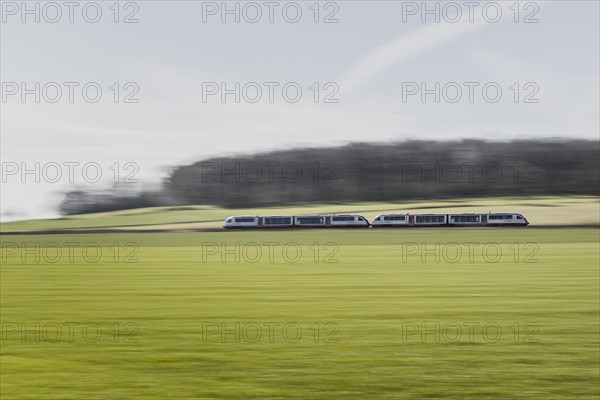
x=381, y=221
x=490, y=219
x=300, y=221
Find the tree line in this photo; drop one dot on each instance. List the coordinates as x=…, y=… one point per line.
x=368, y=172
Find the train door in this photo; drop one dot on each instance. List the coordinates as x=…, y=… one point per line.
x=484, y=219
x=328, y=222
x=411, y=220
x=260, y=221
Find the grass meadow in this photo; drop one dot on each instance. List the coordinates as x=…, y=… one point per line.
x=364, y=314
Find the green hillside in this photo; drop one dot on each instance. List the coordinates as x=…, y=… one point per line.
x=546, y=211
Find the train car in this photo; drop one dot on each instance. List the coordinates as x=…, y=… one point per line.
x=241, y=222
x=464, y=219
x=390, y=220
x=331, y=221
x=310, y=221
x=504, y=219
x=276, y=221
x=428, y=220
x=273, y=221
x=347, y=221
x=301, y=221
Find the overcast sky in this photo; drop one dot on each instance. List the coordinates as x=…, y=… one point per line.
x=370, y=63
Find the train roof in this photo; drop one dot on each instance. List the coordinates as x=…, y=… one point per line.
x=395, y=214
x=328, y=215
x=418, y=215
x=466, y=214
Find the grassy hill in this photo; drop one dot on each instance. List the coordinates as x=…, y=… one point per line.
x=541, y=211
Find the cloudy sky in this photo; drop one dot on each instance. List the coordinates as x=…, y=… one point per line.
x=308, y=73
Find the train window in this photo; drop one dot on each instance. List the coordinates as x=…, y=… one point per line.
x=309, y=220
x=244, y=220
x=499, y=217
x=377, y=219
x=342, y=219
x=466, y=218
x=430, y=219
x=396, y=218
x=277, y=221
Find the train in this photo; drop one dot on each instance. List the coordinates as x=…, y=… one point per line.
x=380, y=221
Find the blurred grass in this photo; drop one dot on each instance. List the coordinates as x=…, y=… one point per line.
x=574, y=210
x=369, y=293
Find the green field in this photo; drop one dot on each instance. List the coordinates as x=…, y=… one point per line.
x=360, y=299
